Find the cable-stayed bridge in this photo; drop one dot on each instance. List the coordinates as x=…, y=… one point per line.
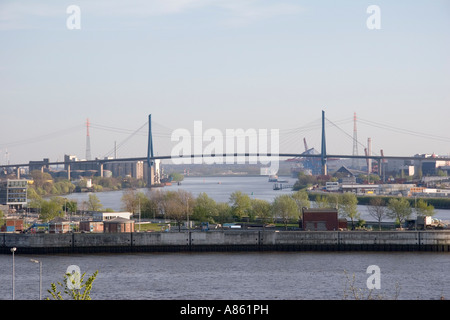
x=197, y=154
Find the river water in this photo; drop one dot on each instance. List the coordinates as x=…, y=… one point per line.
x=236, y=276
x=233, y=275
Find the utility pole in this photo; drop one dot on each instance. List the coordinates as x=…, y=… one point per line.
x=355, y=161
x=88, y=141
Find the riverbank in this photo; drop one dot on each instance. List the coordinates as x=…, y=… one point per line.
x=226, y=240
x=437, y=203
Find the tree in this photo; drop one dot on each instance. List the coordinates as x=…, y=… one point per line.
x=205, y=208
x=321, y=201
x=176, y=205
x=240, y=204
x=187, y=202
x=135, y=202
x=50, y=209
x=2, y=216
x=377, y=209
x=130, y=200
x=262, y=209
x=176, y=176
x=301, y=199
x=70, y=206
x=173, y=207
x=223, y=213
x=156, y=203
x=399, y=209
x=34, y=198
x=285, y=207
x=40, y=179
x=93, y=203
x=424, y=209
x=75, y=289
x=327, y=201
x=348, y=207
x=304, y=181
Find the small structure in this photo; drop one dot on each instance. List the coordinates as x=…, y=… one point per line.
x=59, y=225
x=315, y=219
x=361, y=188
x=346, y=175
x=12, y=225
x=103, y=216
x=118, y=225
x=91, y=226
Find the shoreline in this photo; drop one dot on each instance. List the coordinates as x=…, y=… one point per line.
x=226, y=241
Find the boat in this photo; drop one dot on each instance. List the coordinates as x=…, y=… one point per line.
x=167, y=181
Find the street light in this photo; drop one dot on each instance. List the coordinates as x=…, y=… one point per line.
x=13, y=249
x=40, y=276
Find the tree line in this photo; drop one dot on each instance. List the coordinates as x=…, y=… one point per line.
x=182, y=205
x=57, y=206
x=399, y=209
x=44, y=184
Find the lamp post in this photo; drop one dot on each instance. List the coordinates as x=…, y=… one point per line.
x=40, y=276
x=13, y=276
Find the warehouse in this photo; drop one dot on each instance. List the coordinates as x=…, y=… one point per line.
x=118, y=225
x=315, y=219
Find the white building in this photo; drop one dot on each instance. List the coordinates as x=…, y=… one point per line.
x=102, y=216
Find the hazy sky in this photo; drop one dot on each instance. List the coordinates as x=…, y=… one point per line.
x=228, y=63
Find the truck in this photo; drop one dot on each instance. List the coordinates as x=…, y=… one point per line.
x=426, y=223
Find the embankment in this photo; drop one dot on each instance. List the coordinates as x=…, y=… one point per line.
x=228, y=240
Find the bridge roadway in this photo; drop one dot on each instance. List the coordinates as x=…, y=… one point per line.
x=280, y=155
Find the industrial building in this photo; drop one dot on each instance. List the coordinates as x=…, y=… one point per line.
x=79, y=168
x=60, y=225
x=13, y=193
x=429, y=164
x=108, y=222
x=39, y=165
x=91, y=226
x=317, y=219
x=134, y=169
x=103, y=216
x=118, y=225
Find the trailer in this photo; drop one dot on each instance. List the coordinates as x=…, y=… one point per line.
x=425, y=223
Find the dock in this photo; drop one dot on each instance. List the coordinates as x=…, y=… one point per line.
x=281, y=186
x=226, y=240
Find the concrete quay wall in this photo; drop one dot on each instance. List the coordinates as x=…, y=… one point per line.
x=232, y=240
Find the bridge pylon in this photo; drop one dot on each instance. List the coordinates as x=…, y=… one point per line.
x=153, y=172
x=324, y=147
